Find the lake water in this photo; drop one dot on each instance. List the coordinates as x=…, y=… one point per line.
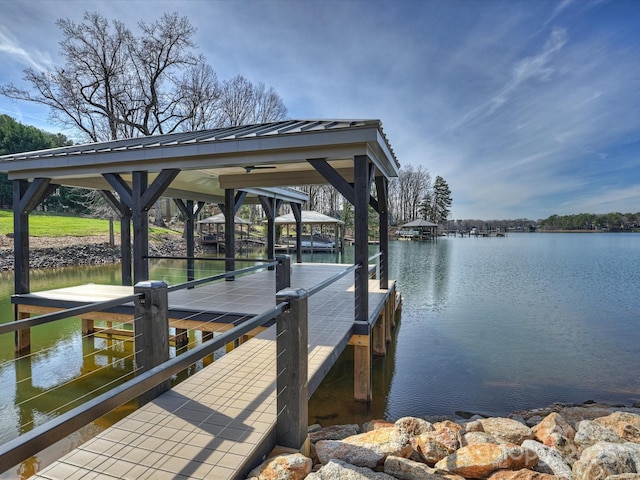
x=493, y=325
x=488, y=325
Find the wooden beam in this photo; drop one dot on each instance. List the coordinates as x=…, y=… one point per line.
x=120, y=186
x=158, y=186
x=239, y=201
x=337, y=180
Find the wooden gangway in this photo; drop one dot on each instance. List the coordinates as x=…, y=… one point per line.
x=222, y=420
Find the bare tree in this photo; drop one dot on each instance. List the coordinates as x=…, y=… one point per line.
x=243, y=103
x=113, y=84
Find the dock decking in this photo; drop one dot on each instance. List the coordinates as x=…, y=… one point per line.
x=221, y=421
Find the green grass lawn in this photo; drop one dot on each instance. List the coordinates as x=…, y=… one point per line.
x=44, y=224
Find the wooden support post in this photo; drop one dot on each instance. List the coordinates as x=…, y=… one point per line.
x=362, y=387
x=151, y=326
x=88, y=327
x=206, y=336
x=182, y=337
x=23, y=337
x=379, y=338
x=292, y=370
x=388, y=314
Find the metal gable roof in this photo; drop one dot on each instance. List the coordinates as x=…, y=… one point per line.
x=285, y=127
x=261, y=159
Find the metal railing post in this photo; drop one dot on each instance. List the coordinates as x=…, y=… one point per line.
x=283, y=272
x=292, y=357
x=151, y=328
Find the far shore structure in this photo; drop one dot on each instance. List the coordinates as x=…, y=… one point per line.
x=229, y=167
x=317, y=239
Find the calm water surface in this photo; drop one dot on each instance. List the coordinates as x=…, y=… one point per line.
x=488, y=325
x=493, y=325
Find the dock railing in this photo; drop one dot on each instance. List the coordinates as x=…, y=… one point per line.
x=151, y=299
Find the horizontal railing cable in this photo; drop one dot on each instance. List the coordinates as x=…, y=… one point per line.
x=334, y=278
x=28, y=444
x=211, y=259
x=70, y=312
x=220, y=276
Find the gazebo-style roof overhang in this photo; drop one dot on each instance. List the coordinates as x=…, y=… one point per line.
x=227, y=166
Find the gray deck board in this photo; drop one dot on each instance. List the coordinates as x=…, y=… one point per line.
x=212, y=425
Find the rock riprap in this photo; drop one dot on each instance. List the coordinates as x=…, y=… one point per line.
x=583, y=442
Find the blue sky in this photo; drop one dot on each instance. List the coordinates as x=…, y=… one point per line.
x=525, y=107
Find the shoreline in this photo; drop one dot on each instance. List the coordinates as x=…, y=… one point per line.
x=589, y=441
x=69, y=251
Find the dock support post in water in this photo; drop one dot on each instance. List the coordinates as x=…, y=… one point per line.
x=292, y=356
x=151, y=326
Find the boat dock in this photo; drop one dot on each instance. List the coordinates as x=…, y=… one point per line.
x=222, y=421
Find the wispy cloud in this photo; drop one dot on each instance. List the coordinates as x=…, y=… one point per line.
x=531, y=68
x=10, y=45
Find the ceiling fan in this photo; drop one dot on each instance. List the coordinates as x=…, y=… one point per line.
x=250, y=168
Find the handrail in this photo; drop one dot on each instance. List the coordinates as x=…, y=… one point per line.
x=67, y=313
x=219, y=276
x=30, y=443
x=210, y=259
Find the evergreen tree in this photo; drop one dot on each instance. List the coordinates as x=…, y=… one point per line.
x=15, y=138
x=441, y=201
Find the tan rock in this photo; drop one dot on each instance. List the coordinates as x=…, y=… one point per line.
x=413, y=426
x=474, y=438
x=553, y=423
x=605, y=459
x=373, y=424
x=591, y=432
x=430, y=450
x=506, y=430
x=406, y=469
x=521, y=475
x=474, y=426
x=447, y=434
x=283, y=467
x=366, y=449
x=626, y=425
x=479, y=461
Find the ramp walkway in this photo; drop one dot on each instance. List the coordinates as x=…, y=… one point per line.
x=220, y=422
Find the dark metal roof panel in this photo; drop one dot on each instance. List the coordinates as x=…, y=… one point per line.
x=282, y=128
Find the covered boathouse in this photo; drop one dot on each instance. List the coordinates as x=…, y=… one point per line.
x=222, y=166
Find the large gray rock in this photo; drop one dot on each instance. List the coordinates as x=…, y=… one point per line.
x=334, y=432
x=591, y=432
x=366, y=449
x=506, y=430
x=337, y=470
x=413, y=426
x=405, y=469
x=550, y=460
x=605, y=459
